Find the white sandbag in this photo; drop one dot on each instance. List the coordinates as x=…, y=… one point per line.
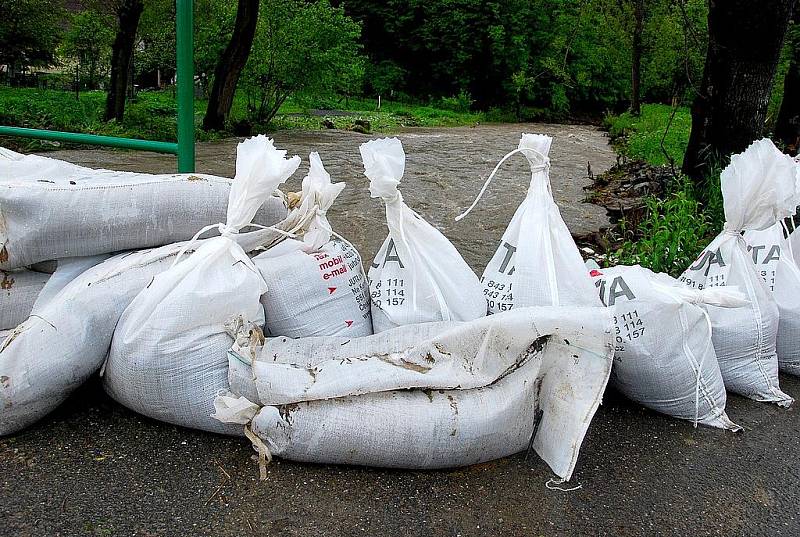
x=18, y=291
x=168, y=356
x=23, y=291
x=745, y=338
x=418, y=276
x=67, y=270
x=663, y=355
x=77, y=211
x=315, y=286
x=772, y=255
x=558, y=361
x=49, y=355
x=537, y=262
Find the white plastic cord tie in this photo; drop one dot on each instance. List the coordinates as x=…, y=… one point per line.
x=544, y=165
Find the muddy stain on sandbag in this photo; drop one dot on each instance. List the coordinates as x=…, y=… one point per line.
x=4, y=254
x=8, y=281
x=405, y=364
x=285, y=411
x=441, y=349
x=454, y=406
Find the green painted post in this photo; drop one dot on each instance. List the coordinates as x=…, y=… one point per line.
x=185, y=37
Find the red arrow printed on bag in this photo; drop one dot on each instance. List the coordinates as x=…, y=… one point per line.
x=331, y=290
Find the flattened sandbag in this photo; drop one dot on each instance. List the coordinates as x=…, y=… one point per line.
x=77, y=211
x=554, y=389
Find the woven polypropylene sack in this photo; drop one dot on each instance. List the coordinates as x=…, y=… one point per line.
x=417, y=276
x=537, y=262
x=168, y=356
x=553, y=360
x=49, y=355
x=663, y=355
x=745, y=338
x=319, y=293
x=316, y=285
x=69, y=211
x=18, y=292
x=772, y=255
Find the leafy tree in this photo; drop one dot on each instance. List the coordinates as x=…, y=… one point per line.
x=230, y=65
x=128, y=13
x=30, y=31
x=744, y=45
x=88, y=42
x=300, y=47
x=155, y=48
x=787, y=125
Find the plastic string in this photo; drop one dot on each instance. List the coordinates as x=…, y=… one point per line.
x=226, y=231
x=555, y=484
x=545, y=165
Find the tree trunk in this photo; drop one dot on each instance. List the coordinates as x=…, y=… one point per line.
x=128, y=13
x=744, y=44
x=636, y=57
x=230, y=65
x=787, y=125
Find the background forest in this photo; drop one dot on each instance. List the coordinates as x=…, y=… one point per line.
x=512, y=60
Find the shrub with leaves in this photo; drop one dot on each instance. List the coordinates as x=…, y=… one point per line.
x=300, y=47
x=673, y=231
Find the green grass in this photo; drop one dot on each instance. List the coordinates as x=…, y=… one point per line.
x=640, y=137
x=675, y=228
x=152, y=115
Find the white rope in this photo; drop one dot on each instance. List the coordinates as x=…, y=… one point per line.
x=226, y=231
x=554, y=484
x=544, y=165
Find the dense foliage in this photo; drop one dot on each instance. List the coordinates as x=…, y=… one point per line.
x=541, y=57
x=517, y=59
x=677, y=226
x=300, y=48
x=30, y=31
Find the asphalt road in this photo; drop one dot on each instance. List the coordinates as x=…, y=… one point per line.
x=95, y=468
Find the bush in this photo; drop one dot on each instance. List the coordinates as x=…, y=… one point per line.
x=300, y=48
x=639, y=137
x=460, y=103
x=671, y=235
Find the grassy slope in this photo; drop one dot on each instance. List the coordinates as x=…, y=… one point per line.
x=640, y=137
x=675, y=229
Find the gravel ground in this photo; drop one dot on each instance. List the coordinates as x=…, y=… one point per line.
x=95, y=468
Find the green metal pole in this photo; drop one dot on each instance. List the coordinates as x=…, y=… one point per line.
x=185, y=46
x=91, y=139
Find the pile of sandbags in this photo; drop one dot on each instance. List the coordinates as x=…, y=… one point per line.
x=272, y=329
x=759, y=188
x=51, y=353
